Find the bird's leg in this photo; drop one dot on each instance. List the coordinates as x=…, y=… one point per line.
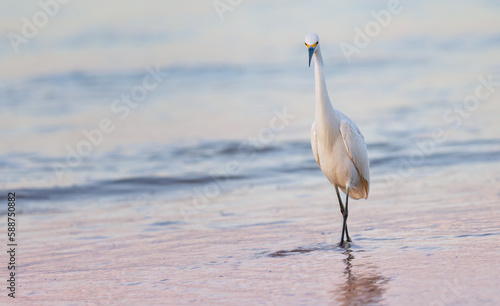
x=342, y=212
x=345, y=214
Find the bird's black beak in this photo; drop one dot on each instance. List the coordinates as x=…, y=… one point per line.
x=311, y=52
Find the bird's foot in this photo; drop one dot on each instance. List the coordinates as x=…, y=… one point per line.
x=345, y=244
x=349, y=239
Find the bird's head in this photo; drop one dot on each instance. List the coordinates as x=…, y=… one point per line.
x=312, y=42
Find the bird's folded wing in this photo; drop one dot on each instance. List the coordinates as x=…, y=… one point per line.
x=356, y=147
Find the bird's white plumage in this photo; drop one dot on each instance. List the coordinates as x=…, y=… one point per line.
x=312, y=38
x=337, y=143
x=356, y=148
x=314, y=144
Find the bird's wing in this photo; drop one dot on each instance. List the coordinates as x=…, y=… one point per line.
x=314, y=143
x=356, y=148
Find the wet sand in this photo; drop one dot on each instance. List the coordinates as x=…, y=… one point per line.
x=437, y=247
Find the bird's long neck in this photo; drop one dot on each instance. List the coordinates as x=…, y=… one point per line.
x=323, y=106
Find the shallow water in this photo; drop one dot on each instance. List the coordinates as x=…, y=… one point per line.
x=194, y=197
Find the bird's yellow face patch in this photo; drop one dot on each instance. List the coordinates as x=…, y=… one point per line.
x=313, y=45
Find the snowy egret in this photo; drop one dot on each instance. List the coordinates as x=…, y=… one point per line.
x=337, y=143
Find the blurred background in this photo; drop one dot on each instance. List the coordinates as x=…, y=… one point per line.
x=227, y=68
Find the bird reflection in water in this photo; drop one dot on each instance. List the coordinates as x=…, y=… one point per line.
x=363, y=284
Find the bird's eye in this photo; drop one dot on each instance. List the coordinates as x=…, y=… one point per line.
x=317, y=42
x=305, y=44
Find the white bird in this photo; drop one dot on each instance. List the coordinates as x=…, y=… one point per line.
x=337, y=143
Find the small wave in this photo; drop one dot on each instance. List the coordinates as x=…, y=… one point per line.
x=116, y=187
x=170, y=181
x=237, y=226
x=223, y=148
x=93, y=238
x=167, y=223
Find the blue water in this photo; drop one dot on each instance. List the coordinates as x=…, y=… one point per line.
x=213, y=99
